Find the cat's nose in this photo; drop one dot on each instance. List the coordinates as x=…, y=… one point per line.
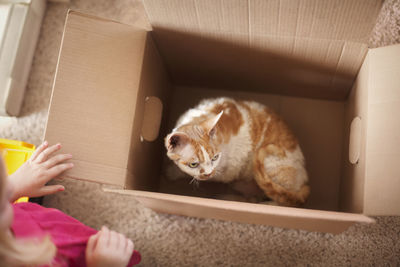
x=207, y=175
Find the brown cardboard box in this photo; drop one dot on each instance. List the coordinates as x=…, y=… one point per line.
x=119, y=89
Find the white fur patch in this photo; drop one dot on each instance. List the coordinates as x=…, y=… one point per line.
x=235, y=159
x=187, y=152
x=188, y=116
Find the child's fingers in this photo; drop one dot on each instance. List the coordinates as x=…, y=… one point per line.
x=130, y=246
x=57, y=170
x=51, y=189
x=114, y=242
x=47, y=152
x=91, y=244
x=122, y=241
x=104, y=237
x=39, y=150
x=57, y=159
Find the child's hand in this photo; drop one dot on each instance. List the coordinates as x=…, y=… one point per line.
x=108, y=248
x=31, y=178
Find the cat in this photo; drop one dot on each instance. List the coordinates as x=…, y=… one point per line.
x=227, y=140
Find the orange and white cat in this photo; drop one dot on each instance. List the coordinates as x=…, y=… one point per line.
x=228, y=141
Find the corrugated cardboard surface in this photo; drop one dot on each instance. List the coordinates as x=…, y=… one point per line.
x=94, y=96
x=307, y=48
x=145, y=156
x=353, y=175
x=312, y=220
x=382, y=175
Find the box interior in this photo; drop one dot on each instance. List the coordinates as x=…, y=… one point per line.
x=319, y=122
x=299, y=58
x=302, y=66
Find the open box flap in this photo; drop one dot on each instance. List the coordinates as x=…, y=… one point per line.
x=354, y=145
x=94, y=96
x=295, y=218
x=382, y=175
x=151, y=112
x=311, y=49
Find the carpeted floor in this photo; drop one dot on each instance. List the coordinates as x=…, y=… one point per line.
x=168, y=240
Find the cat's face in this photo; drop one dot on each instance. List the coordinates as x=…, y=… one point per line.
x=194, y=149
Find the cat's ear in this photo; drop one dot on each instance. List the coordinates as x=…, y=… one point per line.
x=212, y=123
x=176, y=141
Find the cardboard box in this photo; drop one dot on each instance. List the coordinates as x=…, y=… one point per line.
x=119, y=89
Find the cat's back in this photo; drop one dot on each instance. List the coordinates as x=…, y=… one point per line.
x=206, y=108
x=239, y=116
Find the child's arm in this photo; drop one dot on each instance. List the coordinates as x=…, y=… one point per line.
x=108, y=248
x=31, y=178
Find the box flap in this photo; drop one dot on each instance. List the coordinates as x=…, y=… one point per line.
x=94, y=96
x=295, y=218
x=353, y=174
x=323, y=37
x=382, y=176
x=350, y=20
x=145, y=157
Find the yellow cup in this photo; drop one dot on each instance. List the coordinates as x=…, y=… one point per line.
x=14, y=154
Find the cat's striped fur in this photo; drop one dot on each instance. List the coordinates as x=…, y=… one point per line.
x=227, y=140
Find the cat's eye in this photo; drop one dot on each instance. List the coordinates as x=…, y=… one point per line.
x=193, y=164
x=215, y=157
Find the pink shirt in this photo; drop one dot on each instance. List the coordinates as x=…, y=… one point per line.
x=68, y=234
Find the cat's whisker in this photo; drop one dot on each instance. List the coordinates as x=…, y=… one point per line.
x=195, y=182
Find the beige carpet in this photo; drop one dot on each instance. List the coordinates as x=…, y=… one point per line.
x=167, y=240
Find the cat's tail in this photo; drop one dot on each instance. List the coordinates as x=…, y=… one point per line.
x=282, y=181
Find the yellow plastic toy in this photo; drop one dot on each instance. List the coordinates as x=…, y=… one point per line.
x=14, y=154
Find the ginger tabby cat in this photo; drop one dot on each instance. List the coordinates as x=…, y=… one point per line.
x=228, y=141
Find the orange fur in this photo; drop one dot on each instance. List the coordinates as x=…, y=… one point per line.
x=230, y=121
x=270, y=137
x=278, y=189
x=278, y=133
x=259, y=122
x=228, y=125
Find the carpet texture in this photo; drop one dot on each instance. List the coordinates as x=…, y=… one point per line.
x=169, y=240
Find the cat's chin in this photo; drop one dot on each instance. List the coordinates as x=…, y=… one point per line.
x=203, y=178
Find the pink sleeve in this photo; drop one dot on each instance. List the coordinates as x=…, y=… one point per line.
x=68, y=234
